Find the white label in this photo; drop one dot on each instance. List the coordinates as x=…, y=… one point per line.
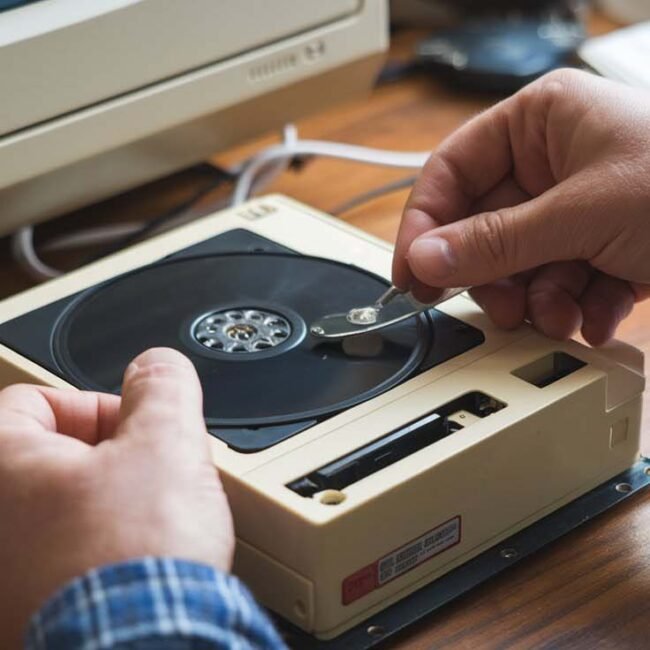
x=419, y=550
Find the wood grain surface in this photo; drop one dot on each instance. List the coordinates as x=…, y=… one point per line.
x=589, y=590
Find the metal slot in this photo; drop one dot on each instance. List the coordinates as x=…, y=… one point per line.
x=396, y=445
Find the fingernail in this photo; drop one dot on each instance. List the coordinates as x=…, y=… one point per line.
x=431, y=258
x=164, y=356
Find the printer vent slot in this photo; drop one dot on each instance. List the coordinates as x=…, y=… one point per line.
x=416, y=435
x=549, y=369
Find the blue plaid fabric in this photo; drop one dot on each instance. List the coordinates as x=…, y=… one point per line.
x=160, y=603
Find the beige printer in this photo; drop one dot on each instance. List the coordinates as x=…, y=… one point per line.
x=99, y=97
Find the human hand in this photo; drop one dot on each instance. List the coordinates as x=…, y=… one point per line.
x=88, y=479
x=542, y=203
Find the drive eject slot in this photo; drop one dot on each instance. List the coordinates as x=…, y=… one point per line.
x=398, y=444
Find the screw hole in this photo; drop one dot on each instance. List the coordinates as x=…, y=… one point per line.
x=646, y=471
x=624, y=488
x=332, y=497
x=376, y=631
x=508, y=553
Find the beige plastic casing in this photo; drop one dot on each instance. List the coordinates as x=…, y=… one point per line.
x=102, y=97
x=497, y=475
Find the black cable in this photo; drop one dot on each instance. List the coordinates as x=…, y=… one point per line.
x=397, y=71
x=374, y=193
x=221, y=176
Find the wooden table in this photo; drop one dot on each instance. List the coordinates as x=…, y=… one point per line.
x=589, y=590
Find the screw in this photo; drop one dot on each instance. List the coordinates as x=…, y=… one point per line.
x=317, y=330
x=508, y=553
x=624, y=488
x=376, y=631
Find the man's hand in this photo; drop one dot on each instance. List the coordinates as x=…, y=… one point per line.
x=543, y=204
x=88, y=479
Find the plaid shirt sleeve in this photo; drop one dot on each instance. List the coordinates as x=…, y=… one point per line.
x=152, y=603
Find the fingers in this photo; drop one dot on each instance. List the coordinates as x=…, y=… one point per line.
x=554, y=297
x=505, y=194
x=162, y=398
x=467, y=165
x=89, y=417
x=641, y=291
x=568, y=222
x=559, y=299
x=510, y=139
x=504, y=301
x=605, y=303
x=414, y=223
x=506, y=142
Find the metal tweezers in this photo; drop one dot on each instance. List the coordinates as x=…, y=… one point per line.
x=393, y=306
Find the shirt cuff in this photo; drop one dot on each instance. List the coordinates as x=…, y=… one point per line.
x=152, y=603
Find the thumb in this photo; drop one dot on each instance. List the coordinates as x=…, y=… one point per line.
x=486, y=247
x=162, y=396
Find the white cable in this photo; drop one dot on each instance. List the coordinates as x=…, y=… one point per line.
x=275, y=168
x=92, y=236
x=22, y=246
x=284, y=151
x=24, y=252
x=110, y=233
x=253, y=175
